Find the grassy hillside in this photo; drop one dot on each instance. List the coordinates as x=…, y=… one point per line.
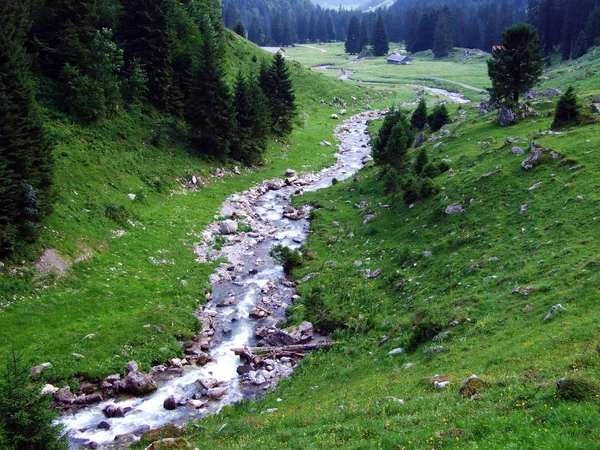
x=130, y=256
x=482, y=294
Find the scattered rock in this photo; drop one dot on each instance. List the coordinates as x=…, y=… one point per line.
x=486, y=107
x=454, y=208
x=535, y=186
x=470, y=386
x=111, y=411
x=138, y=383
x=77, y=355
x=553, y=311
x=217, y=392
x=524, y=208
x=507, y=117
x=269, y=411
x=489, y=174
x=64, y=395
x=419, y=140
x=517, y=151
x=334, y=117
x=427, y=254
x=576, y=389
x=131, y=196
x=368, y=219
x=441, y=384
x=170, y=403
x=396, y=351
x=325, y=144
x=369, y=275
x=343, y=112
x=228, y=227
x=197, y=404
x=104, y=425
x=131, y=366
x=437, y=349
x=48, y=389
x=36, y=370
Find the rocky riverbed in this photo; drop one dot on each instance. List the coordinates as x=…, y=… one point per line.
x=244, y=312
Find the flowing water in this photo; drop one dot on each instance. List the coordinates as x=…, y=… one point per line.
x=255, y=272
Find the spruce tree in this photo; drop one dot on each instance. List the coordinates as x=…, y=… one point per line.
x=255, y=33
x=381, y=45
x=277, y=86
x=438, y=117
x=209, y=108
x=517, y=65
x=365, y=39
x=398, y=144
x=443, y=41
x=419, y=117
x=421, y=161
x=251, y=115
x=145, y=35
x=567, y=109
x=381, y=140
x=352, y=45
x=26, y=164
x=239, y=29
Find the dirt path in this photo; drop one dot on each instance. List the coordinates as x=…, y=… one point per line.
x=466, y=86
x=310, y=46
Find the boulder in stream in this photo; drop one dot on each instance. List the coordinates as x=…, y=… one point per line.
x=170, y=403
x=138, y=383
x=228, y=227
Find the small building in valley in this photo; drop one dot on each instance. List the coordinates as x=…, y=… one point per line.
x=275, y=50
x=398, y=59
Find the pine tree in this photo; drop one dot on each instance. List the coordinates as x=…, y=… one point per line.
x=517, y=66
x=438, y=117
x=209, y=108
x=252, y=121
x=398, y=144
x=26, y=164
x=239, y=29
x=383, y=136
x=381, y=45
x=145, y=34
x=443, y=41
x=567, y=109
x=365, y=39
x=419, y=117
x=255, y=33
x=277, y=86
x=26, y=415
x=421, y=161
x=352, y=45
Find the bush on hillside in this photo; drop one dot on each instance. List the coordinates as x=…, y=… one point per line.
x=567, y=109
x=438, y=117
x=287, y=257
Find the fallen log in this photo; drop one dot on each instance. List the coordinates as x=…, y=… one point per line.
x=299, y=348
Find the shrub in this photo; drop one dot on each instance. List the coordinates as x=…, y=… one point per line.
x=431, y=171
x=25, y=415
x=419, y=117
x=567, y=109
x=421, y=162
x=444, y=167
x=287, y=257
x=117, y=213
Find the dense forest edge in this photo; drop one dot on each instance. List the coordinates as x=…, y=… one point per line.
x=124, y=125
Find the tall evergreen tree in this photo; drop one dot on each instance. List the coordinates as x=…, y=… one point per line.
x=277, y=86
x=381, y=45
x=365, y=38
x=26, y=164
x=239, y=29
x=419, y=117
x=438, y=117
x=517, y=66
x=145, y=36
x=352, y=45
x=255, y=33
x=252, y=121
x=443, y=41
x=209, y=107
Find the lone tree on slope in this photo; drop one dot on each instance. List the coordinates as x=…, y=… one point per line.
x=517, y=65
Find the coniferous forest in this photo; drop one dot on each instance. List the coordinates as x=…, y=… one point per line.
x=88, y=59
x=567, y=26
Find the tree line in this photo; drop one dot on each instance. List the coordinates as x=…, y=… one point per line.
x=93, y=57
x=568, y=26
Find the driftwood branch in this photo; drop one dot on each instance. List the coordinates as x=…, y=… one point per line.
x=295, y=349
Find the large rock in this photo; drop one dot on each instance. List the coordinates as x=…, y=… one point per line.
x=131, y=366
x=216, y=392
x=113, y=411
x=228, y=227
x=419, y=140
x=486, y=107
x=138, y=383
x=279, y=339
x=170, y=403
x=507, y=117
x=64, y=395
x=303, y=333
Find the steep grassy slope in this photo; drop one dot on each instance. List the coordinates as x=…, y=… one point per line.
x=461, y=296
x=127, y=287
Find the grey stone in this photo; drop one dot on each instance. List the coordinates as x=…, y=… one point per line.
x=104, y=425
x=36, y=370
x=111, y=411
x=131, y=366
x=64, y=395
x=419, y=140
x=396, y=351
x=217, y=392
x=454, y=208
x=170, y=403
x=138, y=383
x=507, y=117
x=228, y=227
x=517, y=151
